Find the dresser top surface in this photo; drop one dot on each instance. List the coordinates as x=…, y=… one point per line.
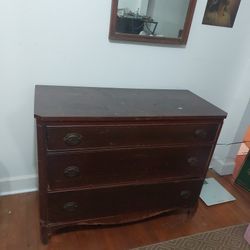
x=53, y=102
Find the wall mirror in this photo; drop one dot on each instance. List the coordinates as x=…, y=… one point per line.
x=151, y=21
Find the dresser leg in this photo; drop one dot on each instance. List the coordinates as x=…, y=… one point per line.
x=45, y=234
x=192, y=210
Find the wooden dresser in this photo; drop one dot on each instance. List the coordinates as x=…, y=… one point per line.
x=112, y=156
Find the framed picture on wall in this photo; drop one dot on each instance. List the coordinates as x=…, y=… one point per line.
x=221, y=12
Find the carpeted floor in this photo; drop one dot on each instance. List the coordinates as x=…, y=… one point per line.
x=229, y=238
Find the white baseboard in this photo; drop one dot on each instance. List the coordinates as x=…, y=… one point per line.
x=19, y=184
x=222, y=167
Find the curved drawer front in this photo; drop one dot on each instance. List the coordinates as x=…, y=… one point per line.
x=99, y=203
x=103, y=136
x=115, y=166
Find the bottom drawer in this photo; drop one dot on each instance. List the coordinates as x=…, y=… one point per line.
x=113, y=201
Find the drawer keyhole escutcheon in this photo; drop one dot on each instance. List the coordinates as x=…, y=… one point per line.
x=185, y=194
x=72, y=139
x=201, y=133
x=70, y=206
x=71, y=171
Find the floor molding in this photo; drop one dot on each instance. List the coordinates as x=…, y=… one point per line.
x=19, y=184
x=222, y=167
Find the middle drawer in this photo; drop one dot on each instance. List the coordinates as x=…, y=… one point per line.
x=74, y=169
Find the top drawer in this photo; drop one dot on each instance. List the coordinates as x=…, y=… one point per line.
x=106, y=136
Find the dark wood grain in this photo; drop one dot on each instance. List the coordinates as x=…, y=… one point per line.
x=83, y=103
x=110, y=156
x=42, y=183
x=131, y=135
x=113, y=201
x=127, y=165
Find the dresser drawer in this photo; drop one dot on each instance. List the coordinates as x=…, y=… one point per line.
x=73, y=137
x=97, y=203
x=124, y=165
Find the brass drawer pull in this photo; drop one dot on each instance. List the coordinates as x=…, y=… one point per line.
x=71, y=171
x=70, y=206
x=185, y=194
x=72, y=139
x=201, y=133
x=192, y=161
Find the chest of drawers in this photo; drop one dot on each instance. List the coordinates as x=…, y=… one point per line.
x=113, y=156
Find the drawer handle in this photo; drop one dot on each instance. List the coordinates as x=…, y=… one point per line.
x=72, y=139
x=71, y=171
x=70, y=206
x=201, y=133
x=185, y=194
x=192, y=161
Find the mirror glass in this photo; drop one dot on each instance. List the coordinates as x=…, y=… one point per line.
x=157, y=19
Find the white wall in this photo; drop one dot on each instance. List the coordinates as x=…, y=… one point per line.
x=238, y=119
x=66, y=42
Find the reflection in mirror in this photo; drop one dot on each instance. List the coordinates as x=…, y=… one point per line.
x=164, y=18
x=151, y=20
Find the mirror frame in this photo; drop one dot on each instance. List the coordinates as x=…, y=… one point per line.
x=113, y=35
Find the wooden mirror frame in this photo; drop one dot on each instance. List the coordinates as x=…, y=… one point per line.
x=113, y=35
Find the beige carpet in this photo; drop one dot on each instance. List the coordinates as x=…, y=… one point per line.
x=229, y=238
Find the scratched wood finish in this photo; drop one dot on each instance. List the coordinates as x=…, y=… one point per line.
x=110, y=144
x=88, y=103
x=131, y=135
